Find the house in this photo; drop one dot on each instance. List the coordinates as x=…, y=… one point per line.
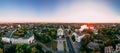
x=95, y=31
x=83, y=27
x=118, y=46
x=78, y=38
x=93, y=46
x=117, y=50
x=108, y=49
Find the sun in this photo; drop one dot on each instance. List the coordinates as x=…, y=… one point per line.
x=89, y=25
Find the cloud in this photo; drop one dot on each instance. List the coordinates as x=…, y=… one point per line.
x=86, y=12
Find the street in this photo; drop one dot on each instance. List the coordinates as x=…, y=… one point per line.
x=70, y=46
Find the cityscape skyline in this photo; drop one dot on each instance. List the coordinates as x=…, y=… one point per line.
x=60, y=11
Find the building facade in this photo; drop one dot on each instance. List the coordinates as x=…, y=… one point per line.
x=60, y=32
x=18, y=40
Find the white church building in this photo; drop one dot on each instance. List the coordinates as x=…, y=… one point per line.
x=60, y=32
x=18, y=40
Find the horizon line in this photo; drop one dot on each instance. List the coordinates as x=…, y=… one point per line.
x=56, y=22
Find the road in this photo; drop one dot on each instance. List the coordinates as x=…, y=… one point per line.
x=70, y=46
x=76, y=46
x=73, y=47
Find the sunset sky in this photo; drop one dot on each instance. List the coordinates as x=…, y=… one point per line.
x=64, y=11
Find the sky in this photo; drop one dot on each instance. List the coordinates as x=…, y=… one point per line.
x=60, y=11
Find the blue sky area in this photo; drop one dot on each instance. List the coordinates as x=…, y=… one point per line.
x=47, y=10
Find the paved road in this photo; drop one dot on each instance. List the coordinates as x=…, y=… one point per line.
x=70, y=46
x=76, y=46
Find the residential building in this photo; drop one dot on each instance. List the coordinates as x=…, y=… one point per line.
x=93, y=46
x=108, y=49
x=78, y=38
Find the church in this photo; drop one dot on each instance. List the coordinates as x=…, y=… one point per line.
x=60, y=32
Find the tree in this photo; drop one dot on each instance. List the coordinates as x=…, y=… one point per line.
x=33, y=50
x=48, y=51
x=89, y=31
x=53, y=34
x=26, y=48
x=73, y=38
x=82, y=48
x=47, y=39
x=38, y=46
x=19, y=48
x=1, y=50
x=102, y=47
x=1, y=44
x=11, y=49
x=86, y=39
